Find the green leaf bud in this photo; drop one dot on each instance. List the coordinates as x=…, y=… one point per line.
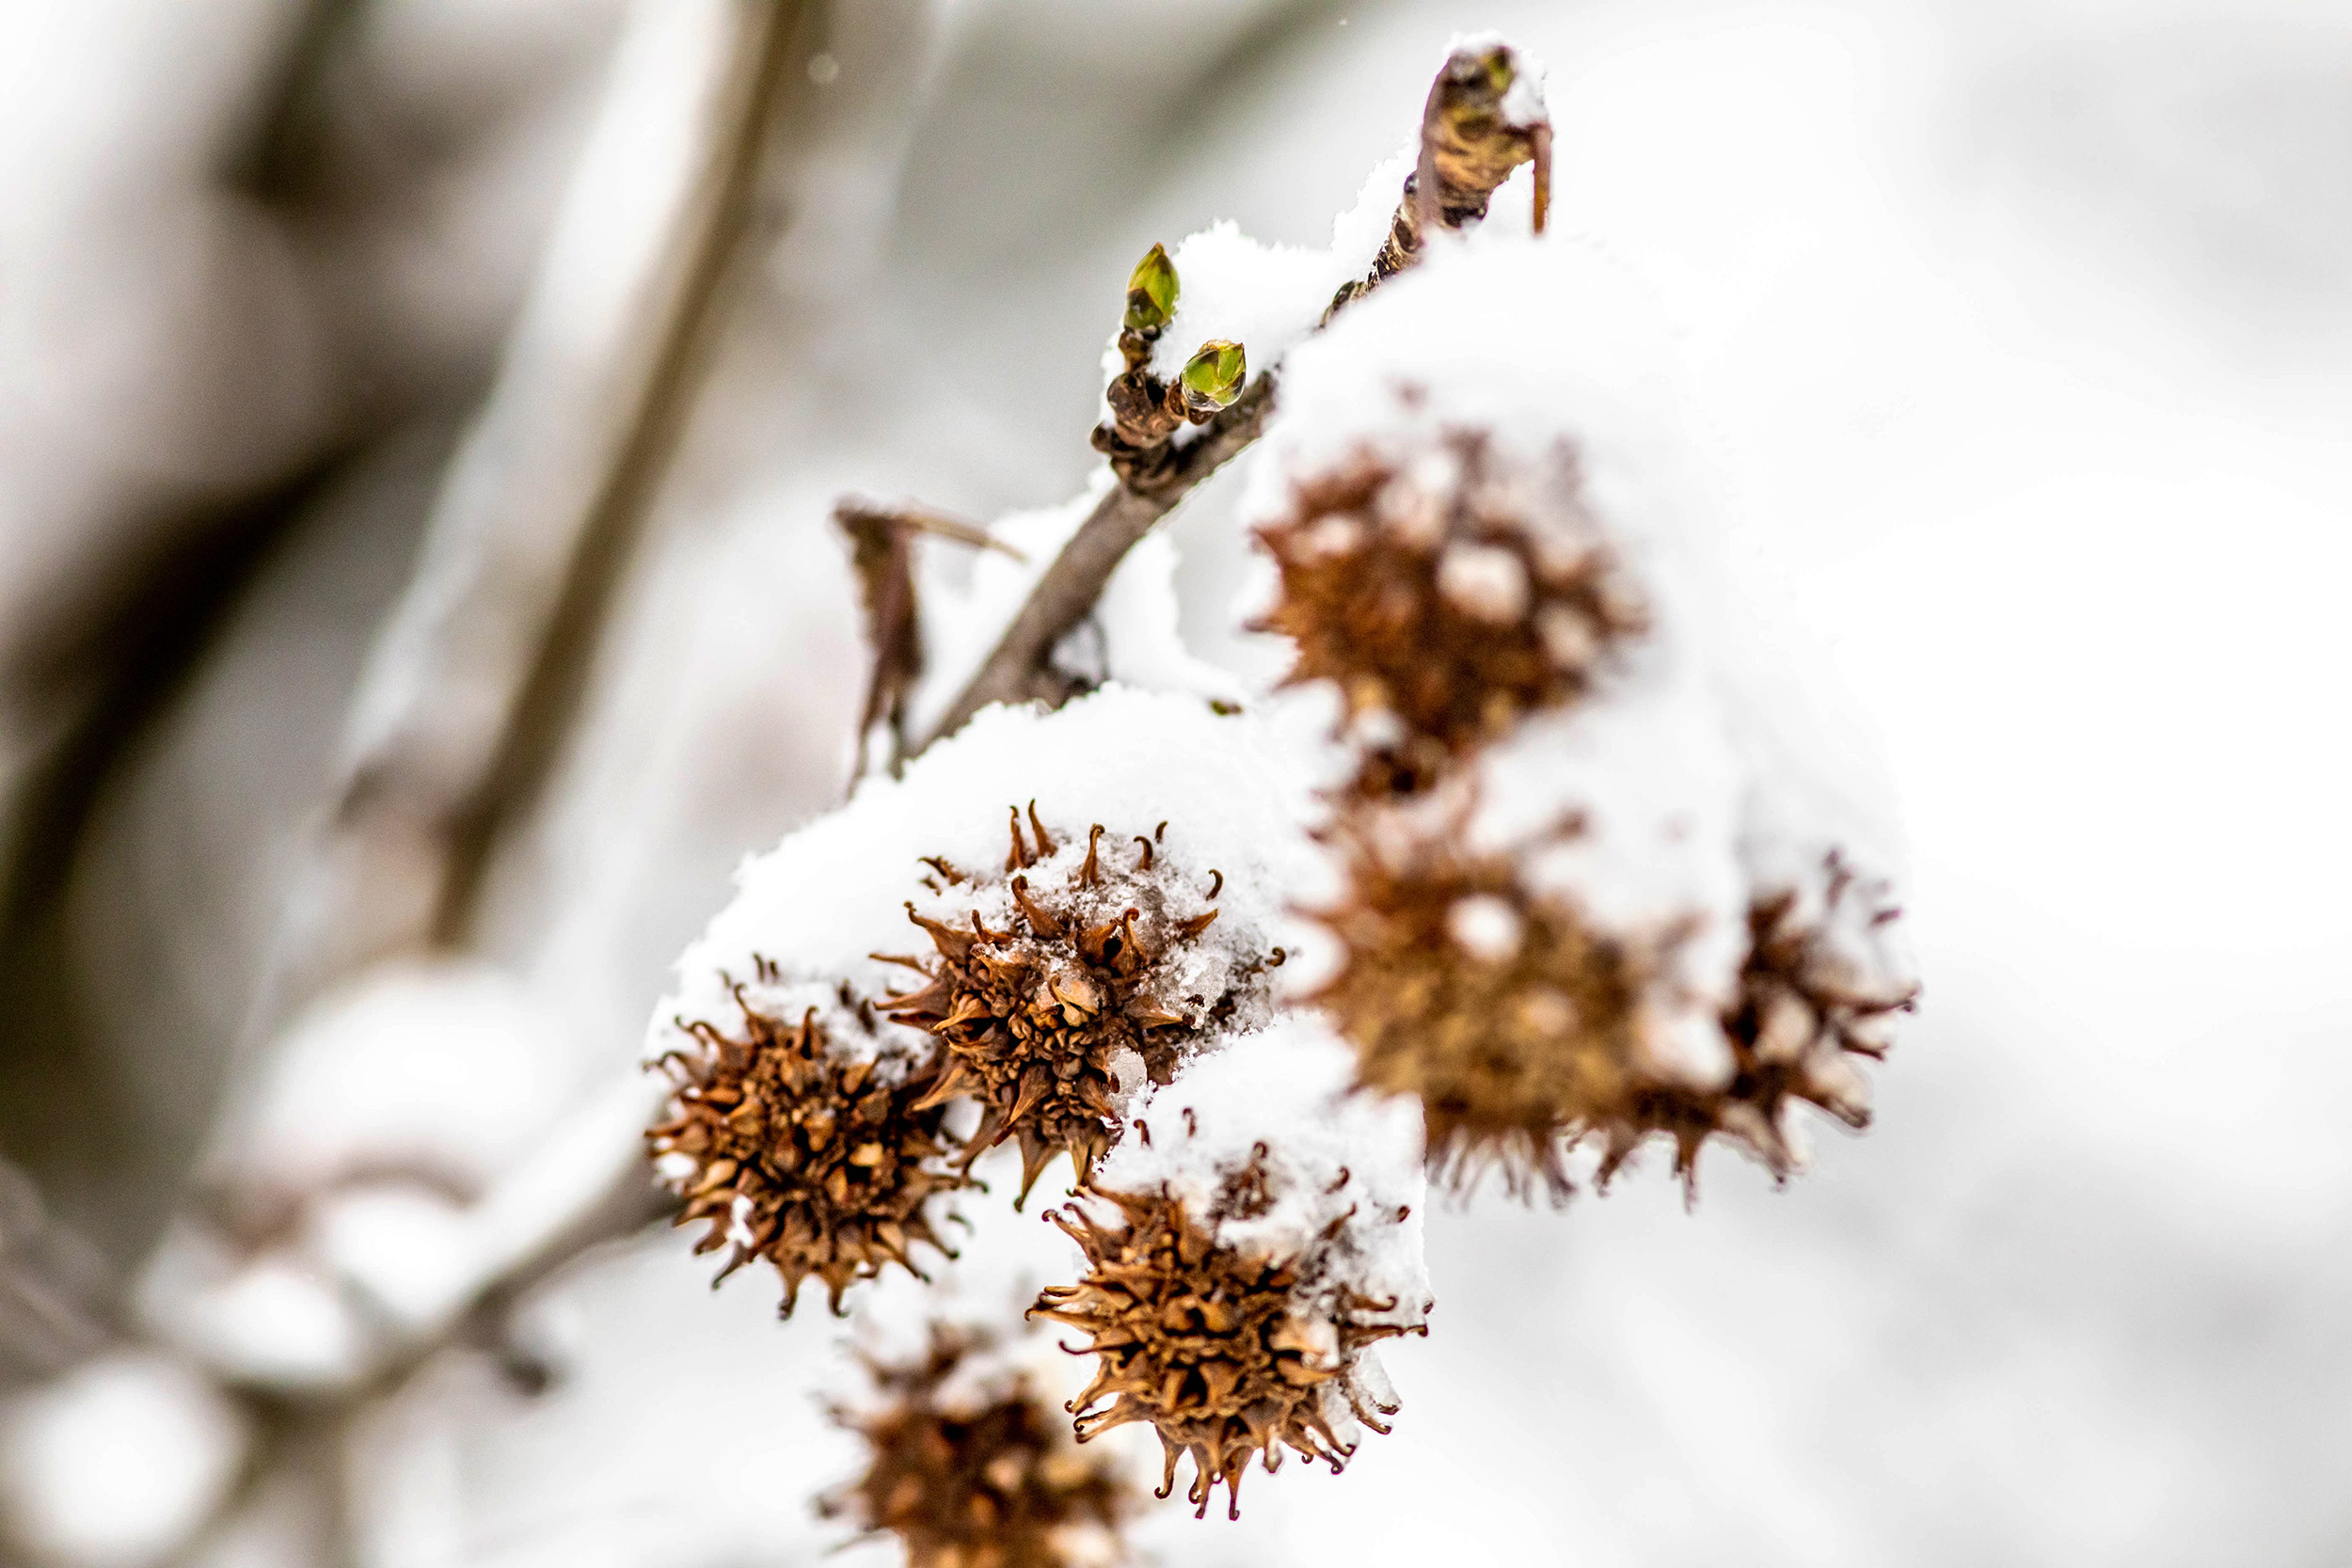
x=1151, y=292
x=1212, y=377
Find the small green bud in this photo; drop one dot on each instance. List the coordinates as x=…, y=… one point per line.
x=1212, y=377
x=1151, y=292
x=1498, y=71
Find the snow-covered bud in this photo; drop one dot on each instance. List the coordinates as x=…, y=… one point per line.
x=967, y=1465
x=1483, y=117
x=819, y=1158
x=1458, y=589
x=1246, y=1246
x=1212, y=377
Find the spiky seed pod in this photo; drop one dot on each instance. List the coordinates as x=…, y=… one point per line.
x=820, y=1161
x=1239, y=1268
x=1081, y=995
x=1817, y=990
x=1202, y=1341
x=977, y=1472
x=1447, y=597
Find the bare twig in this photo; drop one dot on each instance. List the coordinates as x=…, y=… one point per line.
x=1470, y=143
x=1020, y=668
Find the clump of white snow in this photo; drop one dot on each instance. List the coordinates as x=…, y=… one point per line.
x=809, y=916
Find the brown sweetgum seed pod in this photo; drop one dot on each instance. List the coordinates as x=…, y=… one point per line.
x=1207, y=1344
x=1514, y=1041
x=1000, y=1486
x=1032, y=1017
x=1802, y=1012
x=1524, y=1043
x=1457, y=594
x=820, y=1164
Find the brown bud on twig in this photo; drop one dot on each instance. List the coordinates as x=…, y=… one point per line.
x=820, y=1161
x=1482, y=121
x=1213, y=1345
x=1447, y=598
x=977, y=1478
x=1047, y=1021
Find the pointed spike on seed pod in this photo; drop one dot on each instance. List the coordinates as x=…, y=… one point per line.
x=953, y=945
x=1044, y=842
x=1151, y=289
x=1197, y=924
x=1044, y=924
x=1018, y=859
x=1212, y=378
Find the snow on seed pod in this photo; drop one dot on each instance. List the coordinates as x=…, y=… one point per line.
x=1447, y=591
x=803, y=1140
x=968, y=1463
x=1102, y=974
x=1244, y=1247
x=1465, y=498
x=1056, y=969
x=1817, y=991
x=1541, y=945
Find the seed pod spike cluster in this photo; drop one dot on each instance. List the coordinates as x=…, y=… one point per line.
x=975, y=1477
x=1246, y=1245
x=1807, y=1003
x=1042, y=1018
x=821, y=1162
x=1451, y=595
x=1200, y=1341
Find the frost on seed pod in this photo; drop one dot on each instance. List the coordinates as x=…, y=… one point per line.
x=1039, y=993
x=817, y=1153
x=1447, y=593
x=1059, y=985
x=1244, y=1247
x=1541, y=944
x=1515, y=1021
x=969, y=1467
x=1822, y=985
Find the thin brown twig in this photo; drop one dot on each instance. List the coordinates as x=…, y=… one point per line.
x=1468, y=146
x=1019, y=667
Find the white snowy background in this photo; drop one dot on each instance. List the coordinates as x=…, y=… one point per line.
x=2023, y=333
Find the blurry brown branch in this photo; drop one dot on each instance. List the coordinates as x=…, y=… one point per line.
x=594, y=385
x=48, y=1289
